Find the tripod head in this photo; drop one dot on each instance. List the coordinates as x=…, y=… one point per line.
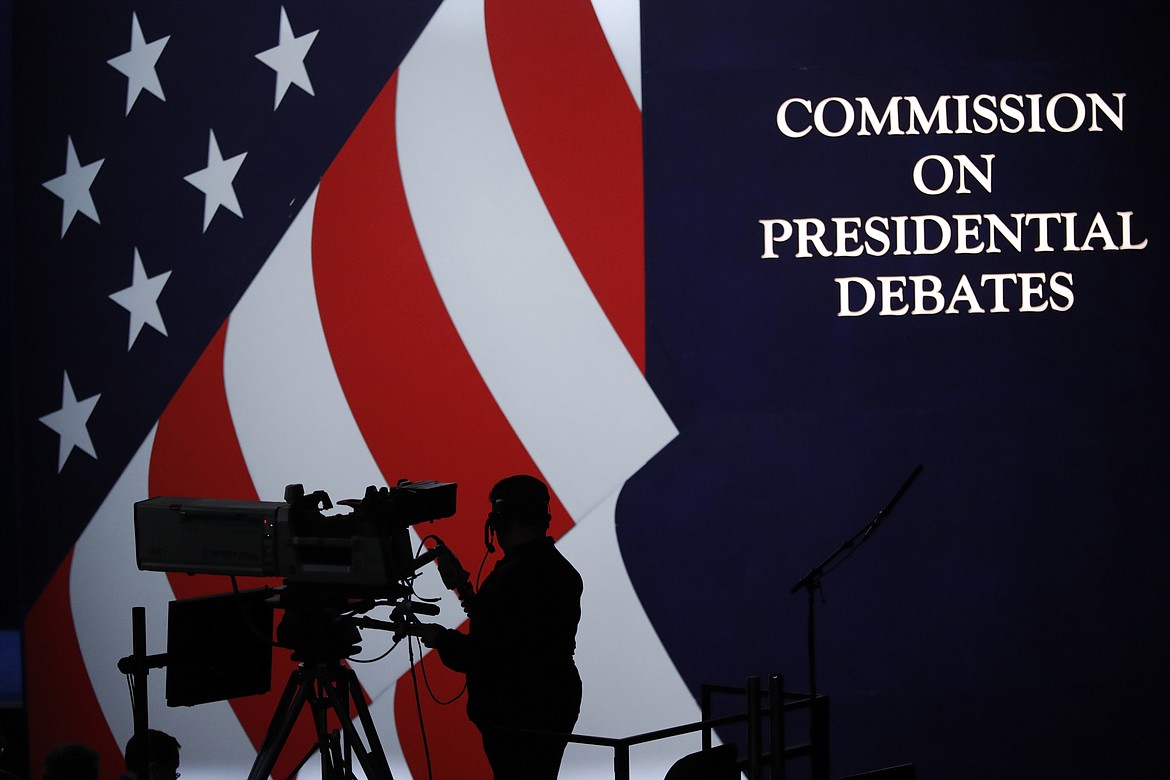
x=316, y=626
x=322, y=627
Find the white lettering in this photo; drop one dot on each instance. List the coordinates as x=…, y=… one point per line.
x=866, y=286
x=891, y=293
x=1063, y=112
x=922, y=291
x=782, y=117
x=961, y=234
x=770, y=239
x=948, y=175
x=1062, y=290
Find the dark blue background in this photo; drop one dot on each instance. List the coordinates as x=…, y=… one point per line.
x=1008, y=620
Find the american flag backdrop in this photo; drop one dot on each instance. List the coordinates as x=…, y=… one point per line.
x=336, y=244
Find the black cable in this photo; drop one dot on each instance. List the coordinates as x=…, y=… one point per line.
x=422, y=545
x=426, y=680
x=434, y=696
x=410, y=647
x=479, y=573
x=418, y=707
x=353, y=660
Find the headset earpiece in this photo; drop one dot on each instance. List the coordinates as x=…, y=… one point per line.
x=489, y=531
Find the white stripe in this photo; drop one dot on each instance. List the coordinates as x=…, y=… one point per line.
x=294, y=425
x=547, y=353
x=539, y=338
x=289, y=411
x=630, y=683
x=622, y=24
x=105, y=584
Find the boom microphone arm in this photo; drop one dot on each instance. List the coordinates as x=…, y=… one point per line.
x=811, y=582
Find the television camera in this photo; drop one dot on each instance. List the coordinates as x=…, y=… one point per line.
x=335, y=568
x=367, y=551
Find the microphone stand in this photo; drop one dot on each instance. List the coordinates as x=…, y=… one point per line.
x=811, y=582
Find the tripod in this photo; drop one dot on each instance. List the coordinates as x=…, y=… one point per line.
x=326, y=686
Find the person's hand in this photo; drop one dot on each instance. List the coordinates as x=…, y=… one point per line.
x=428, y=633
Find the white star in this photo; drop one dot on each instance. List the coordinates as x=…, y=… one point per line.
x=215, y=181
x=72, y=187
x=70, y=423
x=141, y=300
x=287, y=58
x=138, y=64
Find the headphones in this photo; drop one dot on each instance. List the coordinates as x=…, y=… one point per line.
x=489, y=532
x=504, y=514
x=517, y=499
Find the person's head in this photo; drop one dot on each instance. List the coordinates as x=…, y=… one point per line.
x=164, y=754
x=519, y=510
x=72, y=761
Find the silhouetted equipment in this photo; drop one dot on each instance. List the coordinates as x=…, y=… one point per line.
x=717, y=763
x=136, y=667
x=335, y=569
x=900, y=772
x=219, y=647
x=367, y=549
x=326, y=686
x=811, y=582
x=771, y=706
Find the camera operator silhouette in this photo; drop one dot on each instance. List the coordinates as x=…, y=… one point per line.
x=518, y=651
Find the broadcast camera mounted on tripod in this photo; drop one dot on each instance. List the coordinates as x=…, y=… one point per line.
x=335, y=569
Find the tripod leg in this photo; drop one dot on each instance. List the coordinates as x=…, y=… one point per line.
x=374, y=764
x=291, y=701
x=331, y=766
x=367, y=721
x=376, y=750
x=339, y=759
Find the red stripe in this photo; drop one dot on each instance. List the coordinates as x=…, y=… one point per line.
x=414, y=390
x=421, y=404
x=195, y=449
x=581, y=134
x=59, y=699
x=196, y=454
x=417, y=397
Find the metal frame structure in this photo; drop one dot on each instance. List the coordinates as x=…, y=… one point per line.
x=761, y=704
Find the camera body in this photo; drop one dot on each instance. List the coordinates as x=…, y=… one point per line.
x=366, y=550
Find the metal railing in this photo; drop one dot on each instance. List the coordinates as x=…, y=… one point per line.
x=760, y=705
